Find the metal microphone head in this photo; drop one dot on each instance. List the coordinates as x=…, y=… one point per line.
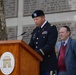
x=23, y=33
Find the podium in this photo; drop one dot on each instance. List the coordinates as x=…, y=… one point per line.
x=27, y=61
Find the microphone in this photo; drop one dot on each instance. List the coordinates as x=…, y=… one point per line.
x=22, y=33
x=15, y=37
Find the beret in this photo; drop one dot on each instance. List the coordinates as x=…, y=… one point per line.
x=37, y=13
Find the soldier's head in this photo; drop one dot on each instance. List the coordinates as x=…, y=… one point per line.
x=39, y=17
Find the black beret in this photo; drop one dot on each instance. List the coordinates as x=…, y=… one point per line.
x=37, y=13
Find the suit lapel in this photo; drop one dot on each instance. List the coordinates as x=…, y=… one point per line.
x=59, y=45
x=68, y=46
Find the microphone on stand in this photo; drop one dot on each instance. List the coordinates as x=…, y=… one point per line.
x=17, y=36
x=22, y=34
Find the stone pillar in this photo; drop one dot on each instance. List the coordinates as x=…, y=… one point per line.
x=3, y=33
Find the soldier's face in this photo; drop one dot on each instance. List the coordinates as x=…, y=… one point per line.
x=39, y=20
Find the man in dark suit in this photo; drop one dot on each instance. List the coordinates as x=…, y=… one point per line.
x=66, y=52
x=43, y=40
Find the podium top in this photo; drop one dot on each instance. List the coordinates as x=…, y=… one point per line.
x=23, y=44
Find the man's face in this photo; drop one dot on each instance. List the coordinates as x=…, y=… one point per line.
x=39, y=20
x=63, y=33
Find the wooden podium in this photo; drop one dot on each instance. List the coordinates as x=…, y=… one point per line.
x=27, y=61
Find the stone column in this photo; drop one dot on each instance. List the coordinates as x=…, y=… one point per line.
x=3, y=33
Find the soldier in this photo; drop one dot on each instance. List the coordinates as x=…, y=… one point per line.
x=43, y=41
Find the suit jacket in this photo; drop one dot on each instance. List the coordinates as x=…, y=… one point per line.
x=45, y=39
x=70, y=56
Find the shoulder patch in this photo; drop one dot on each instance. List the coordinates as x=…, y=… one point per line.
x=52, y=25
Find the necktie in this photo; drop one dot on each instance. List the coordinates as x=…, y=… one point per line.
x=62, y=43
